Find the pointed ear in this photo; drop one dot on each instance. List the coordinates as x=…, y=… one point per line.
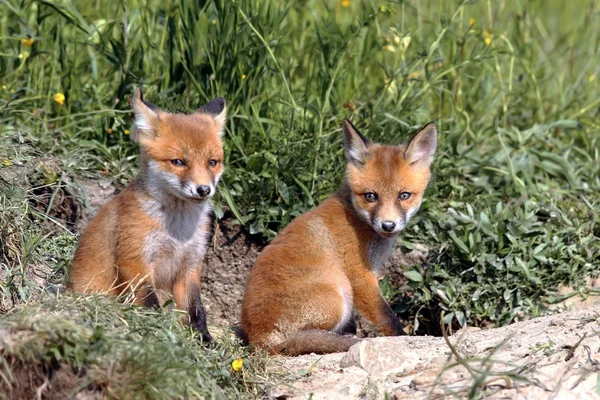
x=421, y=147
x=146, y=116
x=217, y=108
x=355, y=144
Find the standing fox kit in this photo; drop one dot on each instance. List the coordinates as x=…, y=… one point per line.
x=152, y=238
x=304, y=285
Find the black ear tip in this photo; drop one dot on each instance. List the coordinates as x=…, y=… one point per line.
x=215, y=106
x=346, y=124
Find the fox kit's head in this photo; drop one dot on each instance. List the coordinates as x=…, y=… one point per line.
x=182, y=154
x=387, y=182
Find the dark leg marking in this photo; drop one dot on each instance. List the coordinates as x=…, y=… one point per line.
x=393, y=319
x=150, y=299
x=198, y=314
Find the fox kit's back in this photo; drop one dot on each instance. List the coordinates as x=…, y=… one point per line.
x=150, y=240
x=303, y=287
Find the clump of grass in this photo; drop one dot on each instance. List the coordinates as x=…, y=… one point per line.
x=35, y=243
x=94, y=345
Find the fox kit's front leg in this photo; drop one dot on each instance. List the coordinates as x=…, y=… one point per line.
x=371, y=304
x=134, y=279
x=186, y=292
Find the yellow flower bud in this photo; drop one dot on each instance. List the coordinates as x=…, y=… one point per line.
x=487, y=37
x=237, y=364
x=59, y=98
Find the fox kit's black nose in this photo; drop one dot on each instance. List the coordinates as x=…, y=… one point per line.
x=203, y=190
x=388, y=226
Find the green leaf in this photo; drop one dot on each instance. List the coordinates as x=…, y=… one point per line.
x=413, y=276
x=461, y=245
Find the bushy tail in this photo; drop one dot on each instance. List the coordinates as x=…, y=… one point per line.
x=315, y=341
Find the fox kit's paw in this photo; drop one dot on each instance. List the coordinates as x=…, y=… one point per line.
x=206, y=337
x=151, y=300
x=206, y=340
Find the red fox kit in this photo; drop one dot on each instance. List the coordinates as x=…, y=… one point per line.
x=152, y=237
x=304, y=285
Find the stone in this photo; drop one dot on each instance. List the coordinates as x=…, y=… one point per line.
x=374, y=357
x=425, y=378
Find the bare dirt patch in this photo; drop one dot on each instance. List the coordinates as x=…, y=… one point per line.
x=227, y=265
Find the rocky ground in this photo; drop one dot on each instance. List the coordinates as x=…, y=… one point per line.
x=554, y=357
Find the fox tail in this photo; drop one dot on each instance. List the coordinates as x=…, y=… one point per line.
x=314, y=341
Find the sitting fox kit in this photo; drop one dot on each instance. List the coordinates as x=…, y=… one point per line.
x=304, y=285
x=152, y=238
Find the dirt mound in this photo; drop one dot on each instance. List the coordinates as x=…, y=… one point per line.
x=56, y=382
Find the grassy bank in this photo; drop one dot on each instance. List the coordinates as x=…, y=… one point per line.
x=128, y=352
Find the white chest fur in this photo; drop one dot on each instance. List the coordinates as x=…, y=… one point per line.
x=180, y=242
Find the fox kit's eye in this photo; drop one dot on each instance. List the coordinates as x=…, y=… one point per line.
x=212, y=163
x=370, y=197
x=404, y=196
x=178, y=162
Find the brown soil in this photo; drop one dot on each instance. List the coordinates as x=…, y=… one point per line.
x=44, y=382
x=226, y=270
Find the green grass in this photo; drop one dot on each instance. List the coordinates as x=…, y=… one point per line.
x=125, y=351
x=513, y=208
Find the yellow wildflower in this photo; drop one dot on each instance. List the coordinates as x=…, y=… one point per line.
x=345, y=3
x=243, y=76
x=126, y=131
x=487, y=37
x=414, y=75
x=3, y=87
x=59, y=98
x=6, y=163
x=12, y=90
x=592, y=78
x=471, y=21
x=214, y=21
x=28, y=42
x=237, y=364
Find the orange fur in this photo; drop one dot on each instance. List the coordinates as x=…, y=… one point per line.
x=150, y=240
x=324, y=263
